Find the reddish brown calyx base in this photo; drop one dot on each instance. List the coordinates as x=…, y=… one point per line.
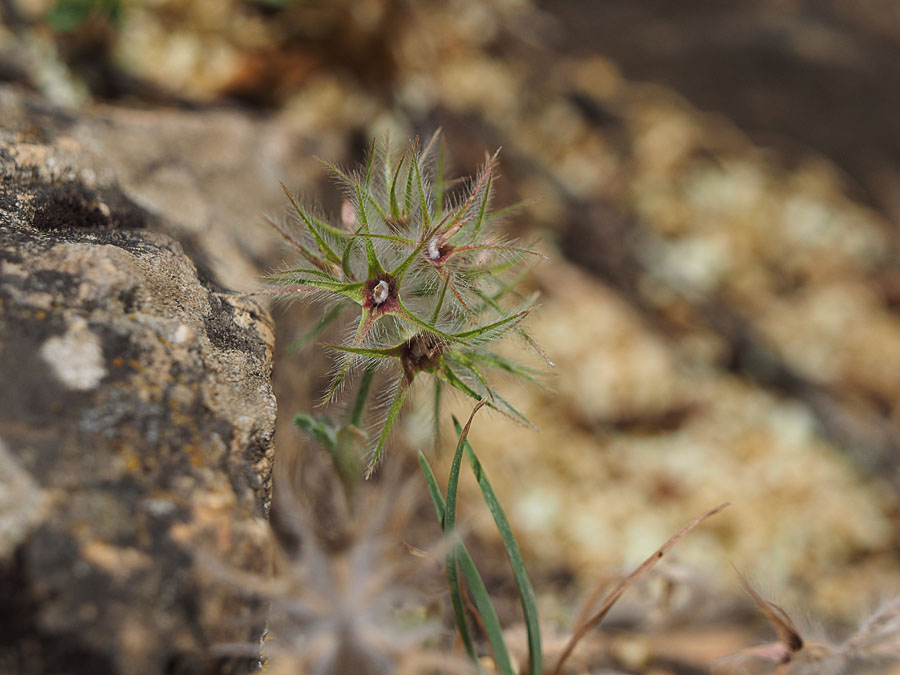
x=380, y=295
x=421, y=352
x=437, y=251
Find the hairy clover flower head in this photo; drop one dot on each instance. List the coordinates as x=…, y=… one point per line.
x=432, y=281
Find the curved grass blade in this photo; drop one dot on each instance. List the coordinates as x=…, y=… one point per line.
x=486, y=610
x=459, y=556
x=456, y=599
x=436, y=409
x=526, y=591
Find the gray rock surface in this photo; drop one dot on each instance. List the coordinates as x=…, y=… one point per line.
x=207, y=177
x=136, y=423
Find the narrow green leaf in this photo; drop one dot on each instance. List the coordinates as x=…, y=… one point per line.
x=502, y=363
x=433, y=489
x=310, y=257
x=288, y=274
x=356, y=185
x=482, y=210
x=467, y=566
x=337, y=171
x=452, y=571
x=438, y=390
x=310, y=221
x=317, y=429
x=387, y=160
x=423, y=200
x=352, y=291
x=486, y=609
x=390, y=352
x=512, y=411
x=423, y=156
x=492, y=302
x=345, y=366
x=370, y=162
x=440, y=300
x=464, y=207
x=411, y=318
x=462, y=360
x=401, y=269
x=455, y=381
x=481, y=331
x=345, y=259
x=410, y=174
x=393, y=412
x=493, y=247
x=447, y=375
x=439, y=179
x=453, y=480
x=338, y=379
x=362, y=395
x=395, y=207
x=526, y=591
x=372, y=259
x=387, y=237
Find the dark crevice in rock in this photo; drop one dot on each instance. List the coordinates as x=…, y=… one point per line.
x=24, y=647
x=68, y=206
x=72, y=205
x=224, y=332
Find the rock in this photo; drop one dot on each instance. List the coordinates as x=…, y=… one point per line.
x=136, y=423
x=205, y=177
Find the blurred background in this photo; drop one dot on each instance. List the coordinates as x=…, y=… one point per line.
x=716, y=184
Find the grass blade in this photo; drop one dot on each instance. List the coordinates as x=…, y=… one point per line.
x=526, y=591
x=456, y=599
x=461, y=557
x=486, y=610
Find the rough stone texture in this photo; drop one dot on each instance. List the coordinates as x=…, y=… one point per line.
x=136, y=423
x=204, y=177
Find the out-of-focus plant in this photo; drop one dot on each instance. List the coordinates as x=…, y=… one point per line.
x=876, y=644
x=67, y=16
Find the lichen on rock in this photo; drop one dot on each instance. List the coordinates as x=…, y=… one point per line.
x=136, y=423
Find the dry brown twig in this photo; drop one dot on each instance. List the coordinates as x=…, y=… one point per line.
x=877, y=641
x=625, y=583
